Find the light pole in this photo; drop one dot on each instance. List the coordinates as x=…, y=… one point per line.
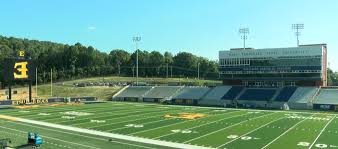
x=244, y=34
x=198, y=70
x=167, y=71
x=136, y=39
x=297, y=27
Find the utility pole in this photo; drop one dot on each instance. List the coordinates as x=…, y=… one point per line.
x=167, y=70
x=244, y=35
x=171, y=71
x=118, y=67
x=133, y=69
x=198, y=70
x=36, y=81
x=136, y=39
x=297, y=27
x=51, y=82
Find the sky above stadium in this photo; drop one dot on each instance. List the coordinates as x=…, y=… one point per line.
x=202, y=27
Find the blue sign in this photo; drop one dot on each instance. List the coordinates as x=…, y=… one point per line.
x=272, y=68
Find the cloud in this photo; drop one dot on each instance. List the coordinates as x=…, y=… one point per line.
x=91, y=28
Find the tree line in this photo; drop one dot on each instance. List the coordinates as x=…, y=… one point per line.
x=78, y=61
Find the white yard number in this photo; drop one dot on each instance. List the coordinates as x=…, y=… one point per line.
x=246, y=138
x=303, y=144
x=321, y=145
x=316, y=145
x=232, y=136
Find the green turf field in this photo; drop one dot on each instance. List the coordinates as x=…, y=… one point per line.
x=220, y=128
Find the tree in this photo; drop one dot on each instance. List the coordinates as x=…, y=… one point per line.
x=185, y=64
x=332, y=78
x=168, y=58
x=74, y=61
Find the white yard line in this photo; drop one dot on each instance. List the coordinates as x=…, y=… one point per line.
x=24, y=136
x=52, y=138
x=157, y=121
x=94, y=138
x=111, y=135
x=197, y=107
x=322, y=131
x=59, y=109
x=250, y=132
x=167, y=125
x=77, y=110
x=140, y=124
x=83, y=118
x=284, y=133
x=95, y=116
x=226, y=128
x=165, y=111
x=205, y=124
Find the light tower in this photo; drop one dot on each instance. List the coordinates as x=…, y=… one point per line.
x=297, y=27
x=136, y=39
x=244, y=35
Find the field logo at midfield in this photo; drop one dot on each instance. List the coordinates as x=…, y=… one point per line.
x=189, y=116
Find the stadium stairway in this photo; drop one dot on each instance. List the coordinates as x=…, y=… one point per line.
x=141, y=98
x=274, y=97
x=233, y=93
x=285, y=94
x=240, y=94
x=120, y=91
x=312, y=99
x=170, y=97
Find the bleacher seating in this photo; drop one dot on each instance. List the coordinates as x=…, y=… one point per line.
x=296, y=97
x=303, y=94
x=327, y=96
x=191, y=93
x=232, y=93
x=257, y=94
x=160, y=92
x=134, y=91
x=214, y=96
x=301, y=98
x=285, y=94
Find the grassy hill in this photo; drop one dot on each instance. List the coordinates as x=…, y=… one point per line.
x=66, y=88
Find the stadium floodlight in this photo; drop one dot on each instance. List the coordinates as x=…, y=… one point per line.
x=244, y=35
x=136, y=39
x=297, y=27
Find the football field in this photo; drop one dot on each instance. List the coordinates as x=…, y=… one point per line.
x=172, y=126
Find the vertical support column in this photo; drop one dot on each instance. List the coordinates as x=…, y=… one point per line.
x=10, y=90
x=30, y=91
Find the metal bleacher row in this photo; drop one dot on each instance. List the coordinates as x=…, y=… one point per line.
x=231, y=96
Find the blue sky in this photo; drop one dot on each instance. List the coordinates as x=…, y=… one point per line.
x=202, y=27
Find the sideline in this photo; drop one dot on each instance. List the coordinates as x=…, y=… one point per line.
x=111, y=135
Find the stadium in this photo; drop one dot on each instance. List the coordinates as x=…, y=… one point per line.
x=269, y=98
x=167, y=75
x=277, y=78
